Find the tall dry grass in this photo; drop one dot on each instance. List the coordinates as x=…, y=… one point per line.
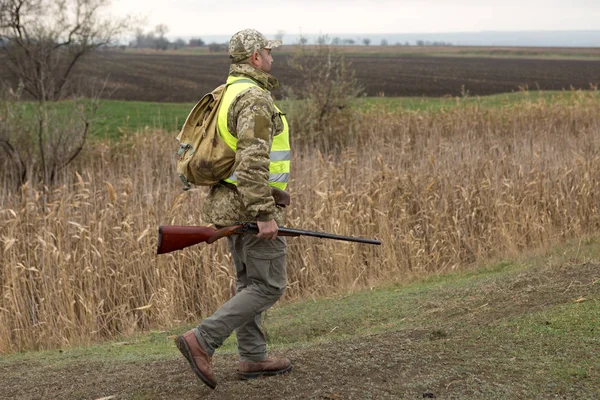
x=441, y=190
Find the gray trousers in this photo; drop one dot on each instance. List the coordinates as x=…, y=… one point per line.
x=261, y=281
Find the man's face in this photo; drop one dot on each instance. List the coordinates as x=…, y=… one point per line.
x=265, y=60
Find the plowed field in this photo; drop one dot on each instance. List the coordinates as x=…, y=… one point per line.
x=184, y=78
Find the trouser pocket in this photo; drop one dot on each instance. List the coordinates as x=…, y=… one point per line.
x=266, y=262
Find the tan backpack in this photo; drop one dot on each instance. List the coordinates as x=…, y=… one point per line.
x=204, y=157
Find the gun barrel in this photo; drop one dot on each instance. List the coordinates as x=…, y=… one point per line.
x=251, y=227
x=322, y=235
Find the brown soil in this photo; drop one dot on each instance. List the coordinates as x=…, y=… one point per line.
x=185, y=78
x=442, y=355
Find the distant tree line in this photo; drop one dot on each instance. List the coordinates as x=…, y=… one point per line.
x=434, y=43
x=337, y=41
x=156, y=39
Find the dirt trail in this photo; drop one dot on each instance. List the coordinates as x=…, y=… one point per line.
x=445, y=359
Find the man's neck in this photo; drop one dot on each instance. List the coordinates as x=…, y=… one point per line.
x=264, y=79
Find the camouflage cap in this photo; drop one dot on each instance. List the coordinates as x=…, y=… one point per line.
x=244, y=43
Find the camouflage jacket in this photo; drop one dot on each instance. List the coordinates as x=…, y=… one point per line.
x=253, y=120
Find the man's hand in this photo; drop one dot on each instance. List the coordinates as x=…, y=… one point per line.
x=267, y=230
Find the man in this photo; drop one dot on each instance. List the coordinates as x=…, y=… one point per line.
x=255, y=129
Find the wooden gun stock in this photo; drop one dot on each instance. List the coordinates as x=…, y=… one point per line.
x=176, y=237
x=173, y=237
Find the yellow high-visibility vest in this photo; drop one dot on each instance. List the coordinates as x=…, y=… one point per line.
x=279, y=167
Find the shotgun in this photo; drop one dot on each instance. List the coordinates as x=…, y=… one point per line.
x=174, y=237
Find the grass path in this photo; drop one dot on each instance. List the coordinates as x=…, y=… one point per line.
x=516, y=329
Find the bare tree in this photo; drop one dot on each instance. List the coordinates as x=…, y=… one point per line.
x=325, y=117
x=280, y=34
x=43, y=40
x=179, y=43
x=215, y=47
x=41, y=139
x=162, y=42
x=196, y=42
x=323, y=40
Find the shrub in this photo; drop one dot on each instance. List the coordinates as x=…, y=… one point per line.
x=324, y=118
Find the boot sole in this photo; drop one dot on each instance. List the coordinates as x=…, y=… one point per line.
x=185, y=350
x=258, y=374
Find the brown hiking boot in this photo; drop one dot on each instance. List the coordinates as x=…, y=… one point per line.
x=199, y=360
x=269, y=367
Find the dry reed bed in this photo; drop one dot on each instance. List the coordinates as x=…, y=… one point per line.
x=441, y=190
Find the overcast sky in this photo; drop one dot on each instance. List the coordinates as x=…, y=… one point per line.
x=225, y=17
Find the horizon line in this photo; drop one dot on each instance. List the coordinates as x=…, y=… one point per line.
x=407, y=33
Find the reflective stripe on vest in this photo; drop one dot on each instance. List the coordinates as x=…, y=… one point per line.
x=279, y=167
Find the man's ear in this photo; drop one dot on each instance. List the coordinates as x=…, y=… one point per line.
x=254, y=59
